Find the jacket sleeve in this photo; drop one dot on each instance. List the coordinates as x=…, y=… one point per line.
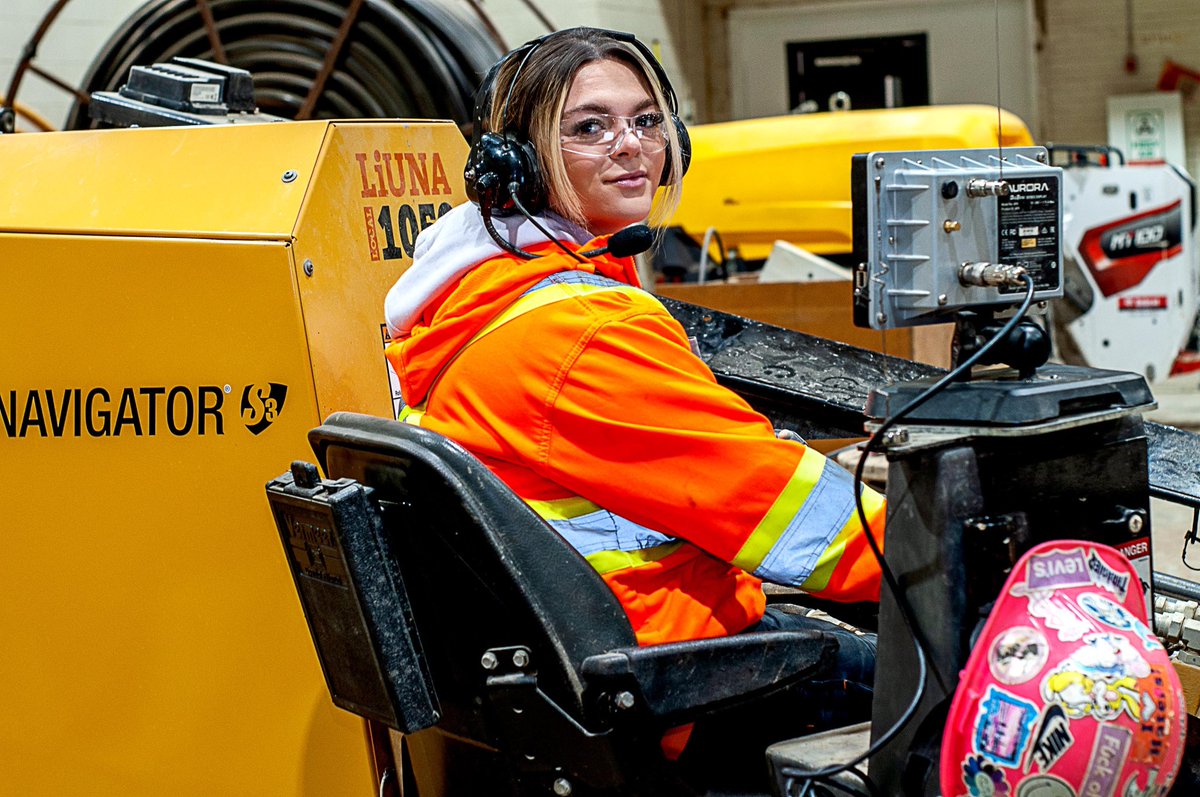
x=638, y=424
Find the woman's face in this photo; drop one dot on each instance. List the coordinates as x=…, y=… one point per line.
x=614, y=188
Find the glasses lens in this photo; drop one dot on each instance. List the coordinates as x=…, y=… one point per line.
x=601, y=133
x=649, y=128
x=595, y=130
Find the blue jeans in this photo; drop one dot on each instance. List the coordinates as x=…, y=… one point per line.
x=727, y=748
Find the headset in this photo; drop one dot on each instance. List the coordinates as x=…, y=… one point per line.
x=502, y=173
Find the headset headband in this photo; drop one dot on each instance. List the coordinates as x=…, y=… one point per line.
x=483, y=99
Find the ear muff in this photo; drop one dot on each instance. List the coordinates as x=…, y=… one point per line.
x=685, y=149
x=501, y=167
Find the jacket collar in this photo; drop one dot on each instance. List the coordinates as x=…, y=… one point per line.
x=454, y=245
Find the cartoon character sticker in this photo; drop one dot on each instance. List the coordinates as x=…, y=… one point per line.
x=1003, y=727
x=1110, y=656
x=1018, y=654
x=1100, y=680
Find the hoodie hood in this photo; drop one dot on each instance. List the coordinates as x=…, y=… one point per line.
x=454, y=245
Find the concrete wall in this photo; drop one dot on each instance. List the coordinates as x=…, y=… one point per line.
x=1082, y=63
x=979, y=50
x=67, y=51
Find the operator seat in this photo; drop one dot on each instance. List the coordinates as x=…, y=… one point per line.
x=463, y=620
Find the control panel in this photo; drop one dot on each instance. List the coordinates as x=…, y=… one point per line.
x=938, y=232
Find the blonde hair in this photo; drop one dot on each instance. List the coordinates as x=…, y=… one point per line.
x=533, y=107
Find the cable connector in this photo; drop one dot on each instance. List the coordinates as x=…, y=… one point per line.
x=991, y=274
x=979, y=187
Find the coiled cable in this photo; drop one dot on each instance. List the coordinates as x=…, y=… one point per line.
x=389, y=58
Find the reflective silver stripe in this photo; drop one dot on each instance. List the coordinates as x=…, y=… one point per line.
x=825, y=512
x=604, y=531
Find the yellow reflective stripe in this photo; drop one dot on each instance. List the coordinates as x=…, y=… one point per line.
x=607, y=562
x=412, y=415
x=563, y=508
x=828, y=561
x=775, y=522
x=555, y=292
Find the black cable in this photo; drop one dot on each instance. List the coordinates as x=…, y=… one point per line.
x=1191, y=538
x=889, y=577
x=512, y=189
x=872, y=789
x=486, y=212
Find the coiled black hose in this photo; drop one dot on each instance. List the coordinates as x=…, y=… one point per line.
x=400, y=58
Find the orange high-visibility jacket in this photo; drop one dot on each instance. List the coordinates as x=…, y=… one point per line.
x=582, y=393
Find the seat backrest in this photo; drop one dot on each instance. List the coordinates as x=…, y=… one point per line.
x=481, y=569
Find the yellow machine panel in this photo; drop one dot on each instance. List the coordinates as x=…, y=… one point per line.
x=381, y=204
x=177, y=312
x=788, y=177
x=158, y=181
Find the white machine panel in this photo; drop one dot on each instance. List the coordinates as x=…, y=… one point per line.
x=1131, y=267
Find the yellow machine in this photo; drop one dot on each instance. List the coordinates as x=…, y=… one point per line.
x=179, y=308
x=787, y=178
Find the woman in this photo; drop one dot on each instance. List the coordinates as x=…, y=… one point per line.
x=582, y=393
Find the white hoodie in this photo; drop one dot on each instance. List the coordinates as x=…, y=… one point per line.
x=452, y=246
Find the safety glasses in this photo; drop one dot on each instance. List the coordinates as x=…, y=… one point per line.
x=601, y=133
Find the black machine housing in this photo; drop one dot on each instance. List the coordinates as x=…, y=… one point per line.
x=183, y=91
x=468, y=623
x=961, y=511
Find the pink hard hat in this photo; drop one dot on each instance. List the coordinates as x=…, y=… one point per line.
x=1067, y=691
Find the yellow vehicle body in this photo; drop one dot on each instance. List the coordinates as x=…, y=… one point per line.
x=788, y=177
x=179, y=307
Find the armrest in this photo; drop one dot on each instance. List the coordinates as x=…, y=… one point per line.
x=679, y=681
